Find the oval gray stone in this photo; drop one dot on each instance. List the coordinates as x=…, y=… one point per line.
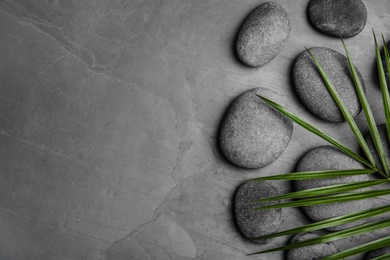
x=255, y=223
x=312, y=91
x=313, y=252
x=377, y=252
x=252, y=133
x=263, y=34
x=330, y=158
x=382, y=129
x=338, y=18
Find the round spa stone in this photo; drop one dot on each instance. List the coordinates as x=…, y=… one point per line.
x=377, y=252
x=263, y=34
x=312, y=91
x=344, y=18
x=383, y=134
x=330, y=158
x=255, y=223
x=252, y=133
x=313, y=252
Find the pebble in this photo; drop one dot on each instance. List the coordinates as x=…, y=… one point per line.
x=386, y=146
x=377, y=252
x=338, y=18
x=330, y=158
x=263, y=34
x=312, y=91
x=255, y=223
x=252, y=133
x=313, y=252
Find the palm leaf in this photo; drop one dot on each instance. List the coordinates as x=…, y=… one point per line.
x=309, y=175
x=348, y=218
x=368, y=114
x=383, y=83
x=318, y=132
x=325, y=190
x=341, y=192
x=379, y=243
x=345, y=197
x=382, y=257
x=344, y=110
x=369, y=227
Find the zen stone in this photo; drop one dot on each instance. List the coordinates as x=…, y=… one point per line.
x=338, y=18
x=330, y=158
x=263, y=34
x=255, y=223
x=252, y=133
x=312, y=91
x=386, y=146
x=313, y=252
x=377, y=252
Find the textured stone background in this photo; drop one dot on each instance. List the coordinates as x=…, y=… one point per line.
x=109, y=113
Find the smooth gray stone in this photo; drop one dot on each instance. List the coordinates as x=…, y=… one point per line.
x=385, y=141
x=330, y=158
x=338, y=18
x=252, y=133
x=263, y=34
x=310, y=252
x=255, y=223
x=377, y=252
x=312, y=91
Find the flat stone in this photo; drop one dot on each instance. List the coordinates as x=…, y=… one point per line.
x=263, y=34
x=252, y=133
x=377, y=252
x=338, y=18
x=330, y=158
x=255, y=223
x=313, y=252
x=312, y=91
x=384, y=137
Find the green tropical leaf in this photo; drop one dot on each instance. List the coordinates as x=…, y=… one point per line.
x=383, y=84
x=309, y=175
x=351, y=196
x=379, y=243
x=344, y=219
x=325, y=190
x=341, y=192
x=327, y=137
x=369, y=227
x=368, y=114
x=382, y=257
x=344, y=110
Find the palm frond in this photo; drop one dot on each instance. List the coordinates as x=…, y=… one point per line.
x=383, y=84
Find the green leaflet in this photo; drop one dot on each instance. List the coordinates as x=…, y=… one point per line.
x=332, y=222
x=325, y=190
x=318, y=132
x=315, y=175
